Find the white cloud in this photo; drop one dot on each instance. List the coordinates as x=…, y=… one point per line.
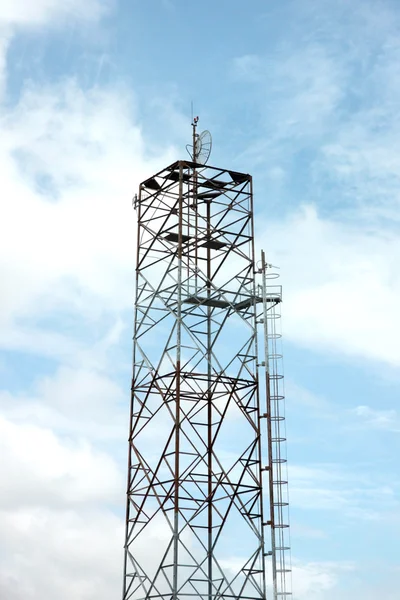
x=329, y=123
x=70, y=161
x=4, y=43
x=70, y=164
x=75, y=401
x=60, y=554
x=58, y=536
x=20, y=15
x=385, y=420
x=314, y=579
x=328, y=580
x=341, y=285
x=37, y=468
x=53, y=511
x=27, y=13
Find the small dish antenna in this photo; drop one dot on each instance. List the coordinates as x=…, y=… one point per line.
x=203, y=147
x=200, y=150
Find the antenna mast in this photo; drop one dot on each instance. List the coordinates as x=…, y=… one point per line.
x=194, y=126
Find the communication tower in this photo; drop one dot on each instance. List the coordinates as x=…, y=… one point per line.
x=207, y=500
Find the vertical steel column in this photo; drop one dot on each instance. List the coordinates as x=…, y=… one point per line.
x=178, y=387
x=269, y=428
x=209, y=411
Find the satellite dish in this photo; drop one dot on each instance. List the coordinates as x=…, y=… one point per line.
x=202, y=148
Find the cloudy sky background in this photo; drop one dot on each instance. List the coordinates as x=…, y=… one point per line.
x=94, y=97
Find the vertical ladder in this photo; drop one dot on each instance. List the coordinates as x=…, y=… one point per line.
x=276, y=434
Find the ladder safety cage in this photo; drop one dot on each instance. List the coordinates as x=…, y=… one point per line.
x=269, y=317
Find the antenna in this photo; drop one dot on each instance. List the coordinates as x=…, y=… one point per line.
x=200, y=149
x=203, y=147
x=195, y=120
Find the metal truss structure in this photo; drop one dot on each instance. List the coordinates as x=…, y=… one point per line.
x=206, y=499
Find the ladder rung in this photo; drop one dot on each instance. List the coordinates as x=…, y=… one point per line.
x=284, y=570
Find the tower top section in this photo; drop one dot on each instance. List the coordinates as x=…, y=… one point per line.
x=200, y=149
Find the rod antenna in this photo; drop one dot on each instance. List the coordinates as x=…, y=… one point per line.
x=195, y=120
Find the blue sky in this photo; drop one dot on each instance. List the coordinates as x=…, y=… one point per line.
x=94, y=97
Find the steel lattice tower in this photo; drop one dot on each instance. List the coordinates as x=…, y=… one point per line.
x=206, y=417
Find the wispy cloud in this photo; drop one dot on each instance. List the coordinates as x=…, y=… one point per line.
x=315, y=579
x=24, y=13
x=352, y=493
x=311, y=402
x=382, y=420
x=327, y=104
